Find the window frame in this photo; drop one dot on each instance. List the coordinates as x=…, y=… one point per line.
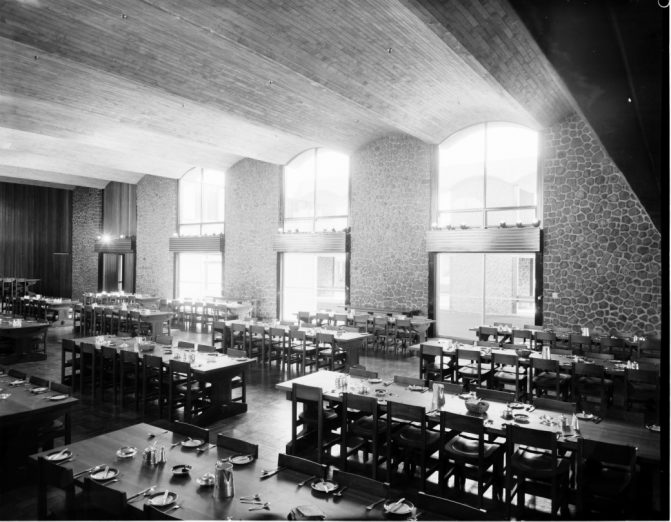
x=201, y=223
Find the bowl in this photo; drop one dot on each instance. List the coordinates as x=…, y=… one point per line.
x=476, y=406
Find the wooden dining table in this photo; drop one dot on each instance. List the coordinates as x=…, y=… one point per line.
x=20, y=339
x=607, y=430
x=215, y=368
x=196, y=501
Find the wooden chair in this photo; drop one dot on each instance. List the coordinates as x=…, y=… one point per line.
x=381, y=332
x=589, y=380
x=69, y=360
x=434, y=364
x=186, y=344
x=89, y=365
x=411, y=444
x=606, y=480
x=334, y=358
x=614, y=346
x=302, y=465
x=535, y=464
x=61, y=477
x=104, y=503
x=49, y=428
x=239, y=382
x=315, y=418
x=276, y=346
x=579, y=344
x=129, y=377
x=547, y=377
x=523, y=336
x=238, y=336
x=362, y=373
x=506, y=371
x=473, y=370
x=470, y=455
x=451, y=509
x=405, y=335
x=256, y=342
x=204, y=348
x=307, y=353
x=494, y=395
x=183, y=391
x=361, y=430
x=484, y=333
x=322, y=319
x=108, y=371
x=190, y=430
x=641, y=386
x=237, y=445
x=542, y=339
x=356, y=482
x=154, y=383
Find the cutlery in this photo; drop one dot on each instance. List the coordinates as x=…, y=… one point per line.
x=417, y=515
x=152, y=435
x=395, y=505
x=89, y=470
x=59, y=454
x=339, y=493
x=108, y=482
x=255, y=497
x=165, y=497
x=172, y=508
x=206, y=447
x=264, y=506
x=141, y=493
x=258, y=502
x=371, y=506
x=180, y=442
x=270, y=472
x=303, y=482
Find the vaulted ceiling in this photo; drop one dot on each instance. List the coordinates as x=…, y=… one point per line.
x=93, y=91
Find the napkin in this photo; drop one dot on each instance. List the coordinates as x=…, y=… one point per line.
x=306, y=512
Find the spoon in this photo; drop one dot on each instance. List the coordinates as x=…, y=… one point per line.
x=339, y=492
x=264, y=506
x=303, y=482
x=255, y=497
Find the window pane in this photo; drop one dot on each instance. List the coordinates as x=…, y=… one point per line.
x=509, y=287
x=526, y=216
x=199, y=275
x=213, y=203
x=471, y=219
x=300, y=225
x=212, y=228
x=461, y=174
x=189, y=230
x=332, y=183
x=459, y=294
x=189, y=202
x=213, y=177
x=511, y=165
x=330, y=223
x=299, y=186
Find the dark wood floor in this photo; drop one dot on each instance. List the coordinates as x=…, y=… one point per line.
x=267, y=422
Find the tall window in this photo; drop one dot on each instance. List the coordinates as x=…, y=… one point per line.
x=316, y=191
x=198, y=274
x=201, y=202
x=312, y=282
x=487, y=174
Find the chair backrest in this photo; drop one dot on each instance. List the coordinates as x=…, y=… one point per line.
x=185, y=344
x=204, y=348
x=303, y=465
x=485, y=332
x=406, y=412
x=276, y=332
x=366, y=374
x=469, y=354
x=544, y=403
x=641, y=376
x=100, y=498
x=360, y=403
x=190, y=430
x=409, y=381
x=588, y=370
x=237, y=445
x=495, y=395
x=297, y=335
x=579, y=343
x=108, y=353
x=452, y=388
x=560, y=351
x=257, y=329
x=535, y=438
x=303, y=317
x=134, y=358
x=544, y=365
x=39, y=381
x=17, y=374
x=542, y=338
x=234, y=352
x=450, y=508
x=324, y=338
x=611, y=342
x=508, y=359
x=522, y=335
x=609, y=454
x=359, y=483
x=303, y=392
x=164, y=339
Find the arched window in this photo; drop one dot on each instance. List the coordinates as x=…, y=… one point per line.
x=488, y=174
x=316, y=191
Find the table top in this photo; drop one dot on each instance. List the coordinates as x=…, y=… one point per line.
x=196, y=501
x=203, y=363
x=22, y=403
x=310, y=332
x=647, y=441
x=26, y=325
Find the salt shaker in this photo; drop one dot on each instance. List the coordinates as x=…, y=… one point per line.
x=161, y=459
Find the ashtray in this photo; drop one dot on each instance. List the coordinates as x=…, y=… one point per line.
x=181, y=469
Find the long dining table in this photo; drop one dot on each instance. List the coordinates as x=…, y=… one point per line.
x=606, y=430
x=216, y=368
x=197, y=502
x=20, y=335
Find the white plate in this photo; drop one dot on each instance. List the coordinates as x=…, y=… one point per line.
x=192, y=443
x=240, y=460
x=58, y=397
x=39, y=390
x=403, y=509
x=160, y=500
x=324, y=486
x=374, y=381
x=653, y=427
x=126, y=452
x=16, y=382
x=584, y=416
x=101, y=475
x=57, y=456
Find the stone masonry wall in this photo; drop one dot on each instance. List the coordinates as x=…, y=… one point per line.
x=602, y=252
x=252, y=218
x=87, y=218
x=390, y=213
x=156, y=222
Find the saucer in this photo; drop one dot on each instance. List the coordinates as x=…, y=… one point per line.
x=126, y=452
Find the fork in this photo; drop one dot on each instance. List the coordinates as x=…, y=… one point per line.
x=303, y=482
x=256, y=508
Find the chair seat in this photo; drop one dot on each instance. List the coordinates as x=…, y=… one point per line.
x=329, y=416
x=465, y=448
x=365, y=426
x=472, y=370
x=412, y=436
x=509, y=376
x=606, y=481
x=536, y=463
x=594, y=381
x=550, y=378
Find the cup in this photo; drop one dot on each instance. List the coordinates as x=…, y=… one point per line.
x=223, y=480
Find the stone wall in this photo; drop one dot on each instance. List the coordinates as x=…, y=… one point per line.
x=602, y=252
x=87, y=218
x=252, y=219
x=156, y=223
x=390, y=213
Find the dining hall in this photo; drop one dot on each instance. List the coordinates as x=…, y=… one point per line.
x=374, y=260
